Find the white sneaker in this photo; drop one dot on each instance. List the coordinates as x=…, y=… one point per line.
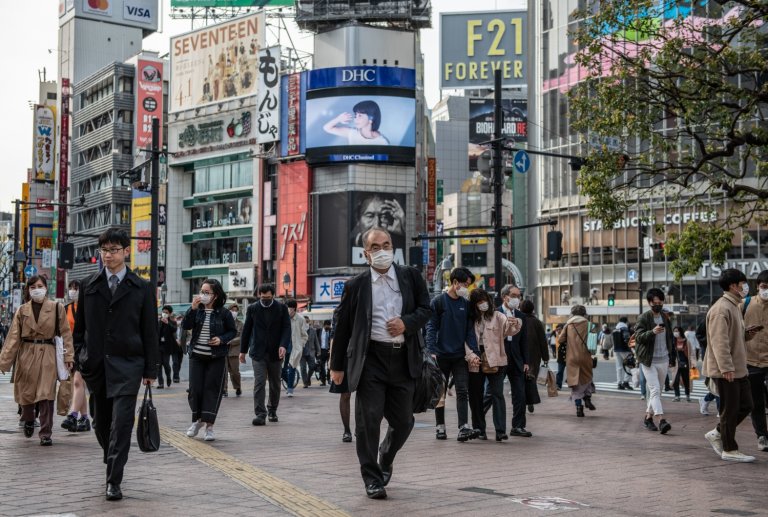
x=209, y=434
x=715, y=441
x=737, y=456
x=194, y=429
x=703, y=406
x=289, y=394
x=762, y=443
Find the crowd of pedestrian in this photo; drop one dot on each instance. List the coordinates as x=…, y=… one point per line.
x=113, y=341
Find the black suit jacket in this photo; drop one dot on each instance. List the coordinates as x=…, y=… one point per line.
x=352, y=320
x=516, y=346
x=265, y=330
x=115, y=336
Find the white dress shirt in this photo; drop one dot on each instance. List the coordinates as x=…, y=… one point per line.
x=386, y=303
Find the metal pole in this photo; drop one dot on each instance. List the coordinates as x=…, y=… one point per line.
x=498, y=184
x=295, y=278
x=154, y=192
x=641, y=252
x=16, y=230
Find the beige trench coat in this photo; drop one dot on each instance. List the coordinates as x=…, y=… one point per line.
x=35, y=376
x=578, y=360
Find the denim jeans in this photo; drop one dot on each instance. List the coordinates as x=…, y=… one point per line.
x=559, y=376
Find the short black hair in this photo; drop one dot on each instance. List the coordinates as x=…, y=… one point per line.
x=266, y=288
x=654, y=292
x=74, y=283
x=624, y=319
x=115, y=236
x=326, y=322
x=731, y=276
x=462, y=274
x=526, y=307
x=167, y=308
x=218, y=292
x=371, y=109
x=291, y=303
x=762, y=278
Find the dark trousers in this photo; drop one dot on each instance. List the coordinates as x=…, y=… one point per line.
x=307, y=365
x=560, y=374
x=517, y=384
x=757, y=387
x=735, y=405
x=178, y=357
x=45, y=408
x=266, y=371
x=683, y=374
x=165, y=364
x=113, y=424
x=458, y=367
x=206, y=386
x=386, y=391
x=495, y=393
x=233, y=369
x=324, y=356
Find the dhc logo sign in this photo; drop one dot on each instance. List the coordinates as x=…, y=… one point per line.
x=367, y=75
x=141, y=14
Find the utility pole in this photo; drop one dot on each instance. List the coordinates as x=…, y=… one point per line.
x=640, y=257
x=498, y=183
x=155, y=194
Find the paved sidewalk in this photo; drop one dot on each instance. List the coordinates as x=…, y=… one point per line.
x=605, y=464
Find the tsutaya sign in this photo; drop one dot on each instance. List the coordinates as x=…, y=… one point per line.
x=668, y=219
x=751, y=268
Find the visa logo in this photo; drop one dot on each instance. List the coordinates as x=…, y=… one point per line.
x=138, y=12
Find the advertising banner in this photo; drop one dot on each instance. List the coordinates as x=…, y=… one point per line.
x=43, y=208
x=44, y=145
x=268, y=127
x=141, y=226
x=431, y=211
x=292, y=109
x=66, y=92
x=216, y=63
x=230, y=3
x=295, y=184
x=131, y=13
x=328, y=289
x=241, y=279
x=371, y=209
x=474, y=45
x=481, y=124
x=212, y=134
x=149, y=101
x=361, y=114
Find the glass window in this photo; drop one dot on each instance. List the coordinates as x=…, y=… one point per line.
x=245, y=249
x=245, y=173
x=201, y=180
x=216, y=177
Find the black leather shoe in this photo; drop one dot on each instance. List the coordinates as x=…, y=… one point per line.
x=501, y=436
x=29, y=429
x=520, y=431
x=346, y=438
x=386, y=472
x=273, y=416
x=113, y=492
x=648, y=423
x=530, y=408
x=238, y=392
x=580, y=411
x=588, y=403
x=440, y=434
x=482, y=436
x=46, y=442
x=375, y=491
x=259, y=420
x=70, y=423
x=664, y=426
x=621, y=386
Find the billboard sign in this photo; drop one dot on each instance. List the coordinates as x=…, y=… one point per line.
x=212, y=134
x=328, y=289
x=481, y=125
x=230, y=3
x=44, y=145
x=141, y=226
x=292, y=109
x=132, y=13
x=216, y=63
x=149, y=101
x=241, y=279
x=292, y=226
x=359, y=113
x=474, y=45
x=268, y=126
x=370, y=209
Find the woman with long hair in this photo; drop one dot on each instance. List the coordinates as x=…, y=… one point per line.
x=491, y=328
x=685, y=355
x=212, y=328
x=578, y=359
x=30, y=346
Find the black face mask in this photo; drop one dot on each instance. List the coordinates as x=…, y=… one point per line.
x=656, y=308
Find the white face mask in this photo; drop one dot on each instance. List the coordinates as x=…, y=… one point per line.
x=73, y=294
x=38, y=295
x=745, y=290
x=462, y=292
x=234, y=314
x=382, y=259
x=482, y=307
x=676, y=334
x=205, y=299
x=764, y=294
x=513, y=303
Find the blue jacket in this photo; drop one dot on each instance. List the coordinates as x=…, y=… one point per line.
x=449, y=328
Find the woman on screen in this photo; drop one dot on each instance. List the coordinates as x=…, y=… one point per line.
x=363, y=130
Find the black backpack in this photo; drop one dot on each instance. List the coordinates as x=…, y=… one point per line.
x=618, y=340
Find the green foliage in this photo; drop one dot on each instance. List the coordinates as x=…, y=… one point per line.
x=695, y=244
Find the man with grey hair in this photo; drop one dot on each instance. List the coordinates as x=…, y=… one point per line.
x=377, y=351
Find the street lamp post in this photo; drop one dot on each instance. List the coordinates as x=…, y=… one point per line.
x=155, y=194
x=295, y=278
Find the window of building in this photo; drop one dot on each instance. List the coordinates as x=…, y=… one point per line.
x=223, y=213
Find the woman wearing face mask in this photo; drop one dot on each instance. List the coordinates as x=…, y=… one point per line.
x=685, y=354
x=491, y=327
x=30, y=346
x=578, y=359
x=212, y=328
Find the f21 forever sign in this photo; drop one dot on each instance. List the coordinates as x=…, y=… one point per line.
x=474, y=45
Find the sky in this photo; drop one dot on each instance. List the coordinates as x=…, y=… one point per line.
x=29, y=41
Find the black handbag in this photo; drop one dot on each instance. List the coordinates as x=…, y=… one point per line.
x=430, y=386
x=531, y=391
x=148, y=428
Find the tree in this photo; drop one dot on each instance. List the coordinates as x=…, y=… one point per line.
x=683, y=86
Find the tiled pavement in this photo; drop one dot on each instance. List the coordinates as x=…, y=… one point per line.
x=605, y=464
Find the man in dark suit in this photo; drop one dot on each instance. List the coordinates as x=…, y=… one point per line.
x=516, y=348
x=166, y=330
x=116, y=346
x=266, y=337
x=378, y=343
x=308, y=355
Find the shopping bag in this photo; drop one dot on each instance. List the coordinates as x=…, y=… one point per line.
x=635, y=377
x=541, y=378
x=551, y=384
x=695, y=373
x=61, y=368
x=148, y=428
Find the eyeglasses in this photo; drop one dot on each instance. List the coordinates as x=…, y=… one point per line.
x=110, y=251
x=204, y=293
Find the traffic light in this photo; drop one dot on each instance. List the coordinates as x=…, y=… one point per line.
x=554, y=246
x=611, y=299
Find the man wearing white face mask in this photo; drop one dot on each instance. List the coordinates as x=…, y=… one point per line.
x=447, y=331
x=756, y=314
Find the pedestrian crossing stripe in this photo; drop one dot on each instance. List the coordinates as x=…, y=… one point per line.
x=698, y=390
